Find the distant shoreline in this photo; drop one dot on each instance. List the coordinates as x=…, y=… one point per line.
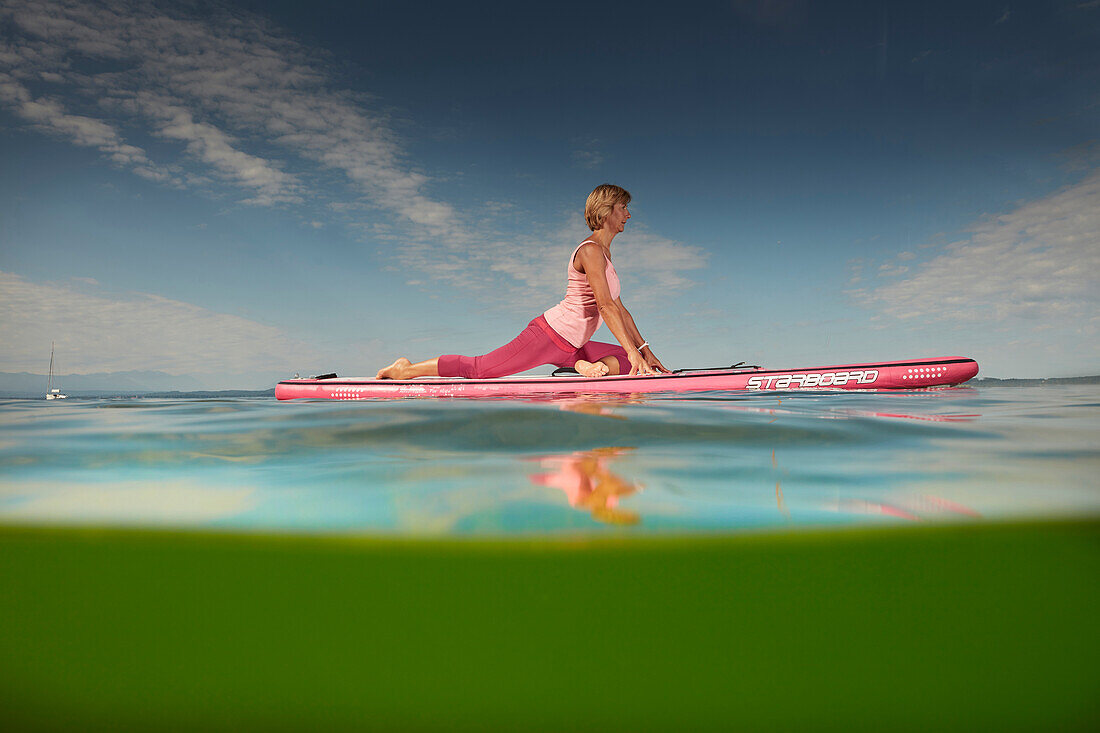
x=1011, y=382
x=139, y=395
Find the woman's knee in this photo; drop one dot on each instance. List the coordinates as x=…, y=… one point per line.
x=480, y=368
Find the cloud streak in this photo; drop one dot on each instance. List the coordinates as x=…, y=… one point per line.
x=218, y=87
x=1040, y=262
x=97, y=331
x=531, y=268
x=225, y=97
x=49, y=116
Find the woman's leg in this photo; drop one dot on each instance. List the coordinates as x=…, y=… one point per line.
x=595, y=354
x=405, y=369
x=530, y=349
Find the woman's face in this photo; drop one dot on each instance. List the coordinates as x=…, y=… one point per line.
x=618, y=216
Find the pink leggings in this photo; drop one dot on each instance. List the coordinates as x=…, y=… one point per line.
x=538, y=344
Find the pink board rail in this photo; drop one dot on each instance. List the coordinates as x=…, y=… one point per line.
x=909, y=374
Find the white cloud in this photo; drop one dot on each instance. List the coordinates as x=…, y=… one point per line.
x=49, y=116
x=587, y=152
x=588, y=158
x=259, y=113
x=97, y=332
x=215, y=148
x=217, y=85
x=1038, y=262
x=533, y=265
x=890, y=270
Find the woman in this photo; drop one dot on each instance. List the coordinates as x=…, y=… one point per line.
x=561, y=336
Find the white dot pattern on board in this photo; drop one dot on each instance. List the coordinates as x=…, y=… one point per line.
x=347, y=393
x=925, y=372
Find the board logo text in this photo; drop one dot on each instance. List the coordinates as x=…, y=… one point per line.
x=807, y=381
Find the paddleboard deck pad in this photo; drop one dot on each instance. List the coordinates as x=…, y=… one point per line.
x=911, y=374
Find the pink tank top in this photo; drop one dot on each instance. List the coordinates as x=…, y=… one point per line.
x=577, y=317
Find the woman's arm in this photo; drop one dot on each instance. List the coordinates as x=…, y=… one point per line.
x=632, y=329
x=594, y=266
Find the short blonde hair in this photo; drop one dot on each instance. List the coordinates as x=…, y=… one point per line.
x=601, y=201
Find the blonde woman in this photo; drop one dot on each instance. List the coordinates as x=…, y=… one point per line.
x=562, y=335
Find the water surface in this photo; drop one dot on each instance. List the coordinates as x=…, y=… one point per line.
x=714, y=462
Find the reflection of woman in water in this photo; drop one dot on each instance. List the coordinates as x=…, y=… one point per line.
x=588, y=484
x=561, y=336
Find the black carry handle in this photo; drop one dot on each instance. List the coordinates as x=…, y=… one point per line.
x=325, y=376
x=568, y=371
x=738, y=365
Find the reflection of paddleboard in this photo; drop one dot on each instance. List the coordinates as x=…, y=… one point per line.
x=882, y=375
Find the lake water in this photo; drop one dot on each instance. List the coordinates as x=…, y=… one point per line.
x=714, y=462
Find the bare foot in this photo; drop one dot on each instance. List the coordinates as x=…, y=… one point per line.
x=395, y=370
x=590, y=369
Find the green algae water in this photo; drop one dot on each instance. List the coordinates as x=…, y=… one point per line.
x=919, y=560
x=710, y=463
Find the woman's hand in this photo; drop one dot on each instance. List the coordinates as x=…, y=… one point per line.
x=653, y=362
x=638, y=363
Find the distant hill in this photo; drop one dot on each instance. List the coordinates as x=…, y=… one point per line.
x=206, y=394
x=993, y=382
x=24, y=383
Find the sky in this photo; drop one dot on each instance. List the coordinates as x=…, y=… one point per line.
x=241, y=191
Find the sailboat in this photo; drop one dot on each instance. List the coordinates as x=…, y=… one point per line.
x=53, y=393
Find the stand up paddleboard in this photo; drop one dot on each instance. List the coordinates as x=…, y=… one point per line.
x=910, y=374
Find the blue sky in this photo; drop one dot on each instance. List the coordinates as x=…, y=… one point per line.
x=243, y=190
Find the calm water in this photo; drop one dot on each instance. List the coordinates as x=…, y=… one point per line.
x=721, y=462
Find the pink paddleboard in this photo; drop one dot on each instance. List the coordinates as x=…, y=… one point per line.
x=911, y=374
